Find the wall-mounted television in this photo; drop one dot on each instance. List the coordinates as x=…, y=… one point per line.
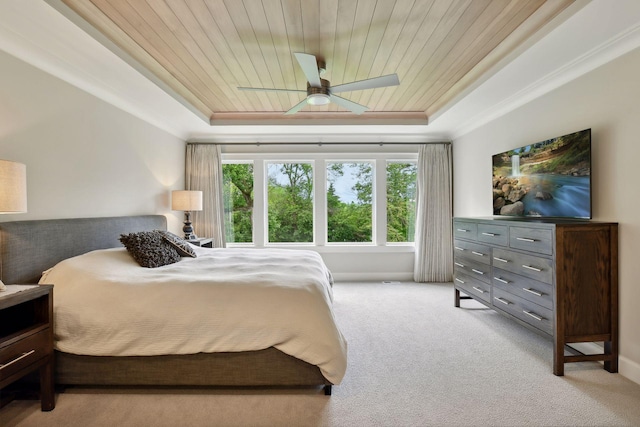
x=550, y=178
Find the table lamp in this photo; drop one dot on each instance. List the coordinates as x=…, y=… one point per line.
x=13, y=190
x=187, y=201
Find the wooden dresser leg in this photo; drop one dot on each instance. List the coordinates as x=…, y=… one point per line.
x=558, y=357
x=327, y=390
x=611, y=365
x=456, y=298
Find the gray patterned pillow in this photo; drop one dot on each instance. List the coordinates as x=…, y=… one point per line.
x=183, y=247
x=149, y=249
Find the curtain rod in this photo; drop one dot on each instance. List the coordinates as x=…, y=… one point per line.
x=316, y=143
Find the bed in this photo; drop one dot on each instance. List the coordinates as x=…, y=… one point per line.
x=29, y=248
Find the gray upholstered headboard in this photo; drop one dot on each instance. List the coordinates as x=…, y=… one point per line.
x=27, y=248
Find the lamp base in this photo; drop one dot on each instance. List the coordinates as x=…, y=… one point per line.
x=188, y=229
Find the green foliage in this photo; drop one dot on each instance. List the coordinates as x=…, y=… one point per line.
x=238, y=201
x=290, y=202
x=401, y=201
x=290, y=206
x=350, y=222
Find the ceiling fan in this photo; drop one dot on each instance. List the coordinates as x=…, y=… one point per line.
x=320, y=92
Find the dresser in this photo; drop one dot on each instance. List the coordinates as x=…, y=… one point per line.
x=556, y=277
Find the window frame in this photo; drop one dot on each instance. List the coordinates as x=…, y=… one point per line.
x=319, y=163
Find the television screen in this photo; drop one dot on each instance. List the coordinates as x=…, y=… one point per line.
x=550, y=178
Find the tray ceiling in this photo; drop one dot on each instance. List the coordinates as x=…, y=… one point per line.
x=202, y=50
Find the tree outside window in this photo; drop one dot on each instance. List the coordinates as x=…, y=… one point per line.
x=401, y=201
x=349, y=202
x=238, y=202
x=290, y=202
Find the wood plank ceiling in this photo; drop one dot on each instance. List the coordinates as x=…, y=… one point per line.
x=204, y=49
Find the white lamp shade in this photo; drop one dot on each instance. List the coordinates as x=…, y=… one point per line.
x=184, y=200
x=13, y=187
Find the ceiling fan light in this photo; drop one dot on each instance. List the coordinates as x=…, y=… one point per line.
x=318, y=99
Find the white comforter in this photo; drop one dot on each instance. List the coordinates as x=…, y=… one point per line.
x=225, y=300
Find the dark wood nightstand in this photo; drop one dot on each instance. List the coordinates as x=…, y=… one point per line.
x=26, y=338
x=205, y=242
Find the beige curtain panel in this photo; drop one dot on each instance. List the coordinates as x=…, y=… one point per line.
x=204, y=172
x=434, y=240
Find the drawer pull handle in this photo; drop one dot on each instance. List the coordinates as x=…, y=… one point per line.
x=477, y=271
x=500, y=259
x=459, y=265
x=478, y=289
x=458, y=280
x=463, y=230
x=535, y=316
x=489, y=234
x=505, y=302
x=458, y=248
x=531, y=291
x=477, y=253
x=17, y=359
x=524, y=239
x=528, y=267
x=501, y=280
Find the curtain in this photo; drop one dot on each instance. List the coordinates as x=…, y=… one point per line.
x=433, y=241
x=204, y=172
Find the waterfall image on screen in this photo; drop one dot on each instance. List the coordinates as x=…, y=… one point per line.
x=515, y=165
x=550, y=178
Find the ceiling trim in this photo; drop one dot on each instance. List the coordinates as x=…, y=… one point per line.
x=191, y=105
x=540, y=23
x=589, y=61
x=319, y=118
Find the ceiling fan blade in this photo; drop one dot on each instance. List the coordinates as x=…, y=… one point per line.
x=309, y=66
x=299, y=106
x=271, y=90
x=349, y=105
x=382, y=81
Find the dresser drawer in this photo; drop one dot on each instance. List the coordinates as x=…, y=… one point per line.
x=474, y=251
x=23, y=353
x=493, y=234
x=531, y=239
x=529, y=289
x=465, y=230
x=472, y=287
x=472, y=268
x=537, y=268
x=533, y=314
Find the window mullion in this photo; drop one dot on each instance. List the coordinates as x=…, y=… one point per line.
x=259, y=205
x=320, y=201
x=380, y=203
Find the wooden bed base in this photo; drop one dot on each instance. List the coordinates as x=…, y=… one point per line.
x=27, y=248
x=267, y=367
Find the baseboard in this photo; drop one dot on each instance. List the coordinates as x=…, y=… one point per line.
x=629, y=369
x=626, y=367
x=372, y=277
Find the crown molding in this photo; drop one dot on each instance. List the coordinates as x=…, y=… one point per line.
x=319, y=118
x=613, y=48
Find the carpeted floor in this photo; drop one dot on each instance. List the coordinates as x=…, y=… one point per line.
x=414, y=360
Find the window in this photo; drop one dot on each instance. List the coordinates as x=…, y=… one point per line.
x=238, y=202
x=349, y=202
x=326, y=200
x=401, y=201
x=290, y=202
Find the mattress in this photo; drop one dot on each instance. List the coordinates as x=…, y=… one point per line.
x=224, y=300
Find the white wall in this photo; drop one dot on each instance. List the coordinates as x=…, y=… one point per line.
x=607, y=100
x=84, y=157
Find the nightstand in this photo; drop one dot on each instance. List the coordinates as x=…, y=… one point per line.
x=26, y=338
x=205, y=242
